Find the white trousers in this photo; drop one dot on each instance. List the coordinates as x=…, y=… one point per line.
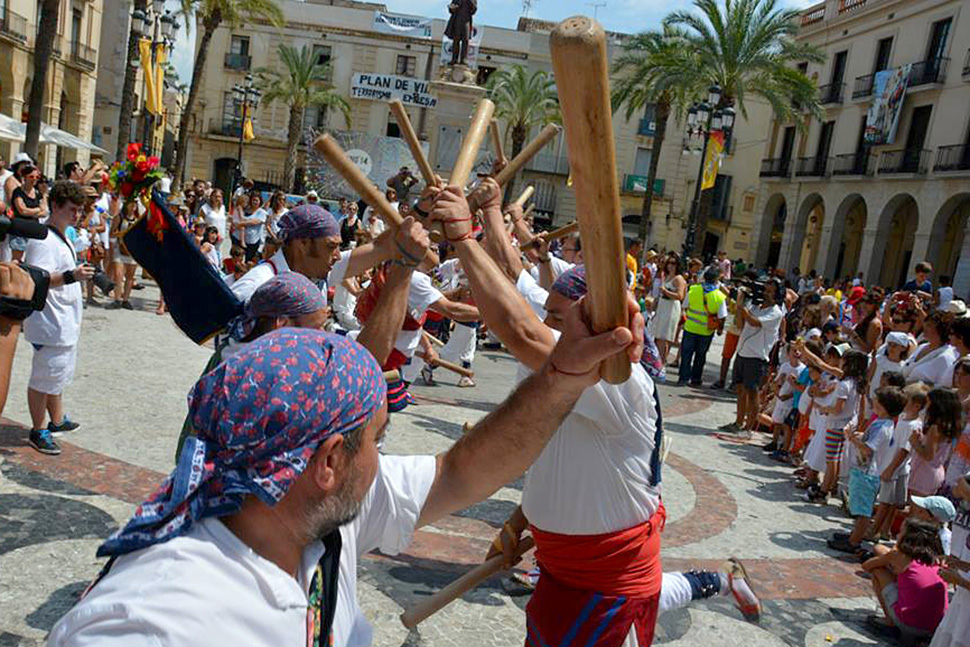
x=461, y=345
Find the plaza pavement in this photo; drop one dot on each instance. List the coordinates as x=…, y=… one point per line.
x=135, y=368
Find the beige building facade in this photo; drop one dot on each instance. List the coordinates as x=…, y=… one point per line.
x=846, y=194
x=348, y=35
x=71, y=79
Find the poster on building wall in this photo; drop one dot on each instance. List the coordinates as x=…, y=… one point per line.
x=888, y=93
x=400, y=24
x=387, y=87
x=379, y=157
x=474, y=44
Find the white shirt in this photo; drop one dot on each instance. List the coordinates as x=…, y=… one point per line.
x=593, y=476
x=880, y=442
x=757, y=341
x=816, y=420
x=103, y=207
x=59, y=323
x=255, y=233
x=215, y=218
x=209, y=588
x=845, y=390
x=556, y=265
x=246, y=284
x=901, y=434
x=3, y=180
x=534, y=294
x=935, y=367
x=420, y=296
x=946, y=295
x=883, y=365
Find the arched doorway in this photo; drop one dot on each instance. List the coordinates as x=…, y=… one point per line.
x=811, y=217
x=894, y=244
x=842, y=255
x=776, y=212
x=949, y=244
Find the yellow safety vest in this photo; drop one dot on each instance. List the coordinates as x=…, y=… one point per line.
x=699, y=306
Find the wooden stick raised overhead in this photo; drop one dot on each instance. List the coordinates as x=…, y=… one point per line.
x=531, y=149
x=337, y=158
x=392, y=376
x=428, y=607
x=470, y=146
x=497, y=142
x=404, y=123
x=579, y=59
x=528, y=211
x=555, y=234
x=431, y=338
x=522, y=199
x=454, y=368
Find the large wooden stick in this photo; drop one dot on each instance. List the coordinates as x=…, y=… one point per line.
x=404, y=123
x=448, y=366
x=522, y=199
x=472, y=143
x=392, y=376
x=497, y=142
x=434, y=340
x=531, y=149
x=555, y=234
x=421, y=611
x=579, y=59
x=337, y=158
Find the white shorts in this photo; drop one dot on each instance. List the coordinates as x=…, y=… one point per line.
x=52, y=368
x=781, y=411
x=815, y=452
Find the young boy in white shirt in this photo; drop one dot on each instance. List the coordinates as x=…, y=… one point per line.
x=781, y=417
x=895, y=475
x=873, y=452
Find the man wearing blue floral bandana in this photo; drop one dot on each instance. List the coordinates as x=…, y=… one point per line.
x=255, y=536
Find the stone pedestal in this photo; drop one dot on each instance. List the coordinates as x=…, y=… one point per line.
x=456, y=104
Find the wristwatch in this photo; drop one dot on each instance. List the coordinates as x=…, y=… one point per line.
x=69, y=277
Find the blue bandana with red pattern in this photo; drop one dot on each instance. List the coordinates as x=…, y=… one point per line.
x=307, y=221
x=260, y=417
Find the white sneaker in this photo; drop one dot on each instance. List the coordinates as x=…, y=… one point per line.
x=748, y=603
x=466, y=382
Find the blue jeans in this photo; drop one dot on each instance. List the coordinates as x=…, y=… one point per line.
x=693, y=356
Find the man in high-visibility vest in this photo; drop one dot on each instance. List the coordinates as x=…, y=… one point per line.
x=706, y=312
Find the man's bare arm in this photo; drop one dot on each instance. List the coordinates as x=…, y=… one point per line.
x=456, y=310
x=503, y=309
x=497, y=241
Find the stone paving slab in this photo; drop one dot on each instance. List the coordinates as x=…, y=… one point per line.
x=134, y=372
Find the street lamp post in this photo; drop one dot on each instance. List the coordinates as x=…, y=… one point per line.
x=245, y=96
x=702, y=119
x=161, y=26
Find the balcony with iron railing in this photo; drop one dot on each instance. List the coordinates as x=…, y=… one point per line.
x=928, y=72
x=225, y=127
x=13, y=26
x=637, y=185
x=777, y=167
x=852, y=164
x=813, y=15
x=240, y=62
x=846, y=6
x=905, y=161
x=831, y=93
x=83, y=55
x=952, y=158
x=811, y=166
x=863, y=86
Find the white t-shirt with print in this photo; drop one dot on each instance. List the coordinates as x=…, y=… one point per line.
x=788, y=371
x=901, y=434
x=847, y=391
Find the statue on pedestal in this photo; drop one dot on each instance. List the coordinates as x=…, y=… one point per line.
x=459, y=28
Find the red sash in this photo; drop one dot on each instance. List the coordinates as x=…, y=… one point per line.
x=593, y=588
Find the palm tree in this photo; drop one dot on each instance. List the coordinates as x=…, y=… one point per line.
x=44, y=46
x=302, y=82
x=128, y=86
x=653, y=70
x=212, y=14
x=523, y=102
x=748, y=48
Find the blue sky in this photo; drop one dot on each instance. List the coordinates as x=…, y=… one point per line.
x=616, y=15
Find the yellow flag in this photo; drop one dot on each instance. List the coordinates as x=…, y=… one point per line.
x=160, y=58
x=151, y=97
x=248, y=130
x=715, y=148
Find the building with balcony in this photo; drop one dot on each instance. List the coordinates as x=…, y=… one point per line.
x=851, y=193
x=69, y=97
x=347, y=35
